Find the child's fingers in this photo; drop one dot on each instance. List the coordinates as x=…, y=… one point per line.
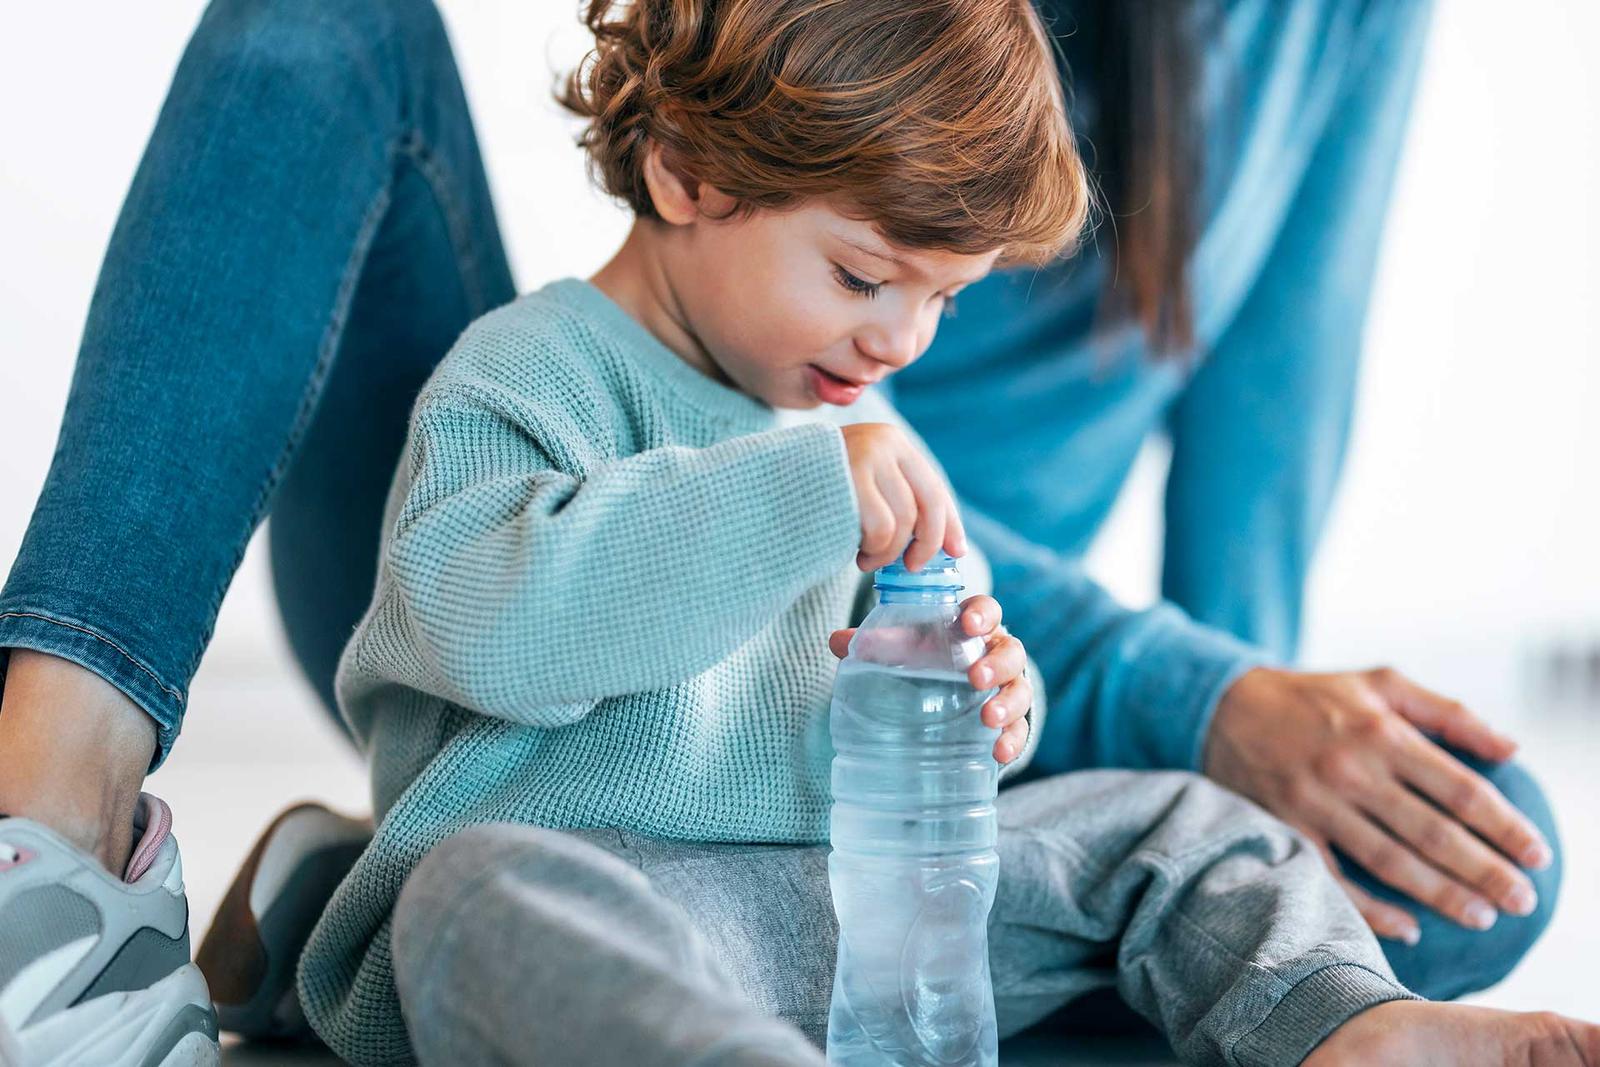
x=1010, y=704
x=1013, y=739
x=929, y=533
x=1004, y=662
x=887, y=512
x=839, y=642
x=933, y=508
x=955, y=533
x=980, y=615
x=877, y=526
x=903, y=503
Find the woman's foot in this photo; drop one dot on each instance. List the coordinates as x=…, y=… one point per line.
x=75, y=751
x=1421, y=1033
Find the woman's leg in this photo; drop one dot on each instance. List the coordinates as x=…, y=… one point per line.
x=513, y=944
x=308, y=231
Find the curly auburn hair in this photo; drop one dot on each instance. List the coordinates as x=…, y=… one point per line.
x=940, y=121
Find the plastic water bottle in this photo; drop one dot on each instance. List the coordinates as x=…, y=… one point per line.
x=913, y=868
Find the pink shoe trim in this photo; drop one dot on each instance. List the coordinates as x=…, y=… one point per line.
x=22, y=856
x=157, y=820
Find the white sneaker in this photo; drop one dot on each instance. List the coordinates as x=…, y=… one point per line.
x=96, y=969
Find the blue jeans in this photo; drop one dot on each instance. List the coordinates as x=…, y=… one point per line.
x=308, y=232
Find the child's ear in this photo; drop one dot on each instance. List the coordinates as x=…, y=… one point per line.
x=679, y=198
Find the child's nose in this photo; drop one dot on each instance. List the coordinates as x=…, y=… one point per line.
x=895, y=345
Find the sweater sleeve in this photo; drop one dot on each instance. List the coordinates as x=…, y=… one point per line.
x=1126, y=688
x=530, y=592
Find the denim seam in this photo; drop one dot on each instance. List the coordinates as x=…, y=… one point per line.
x=415, y=148
x=175, y=694
x=373, y=217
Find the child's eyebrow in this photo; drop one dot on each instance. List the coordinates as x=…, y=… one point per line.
x=910, y=268
x=870, y=251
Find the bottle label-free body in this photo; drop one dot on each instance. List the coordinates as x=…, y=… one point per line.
x=913, y=869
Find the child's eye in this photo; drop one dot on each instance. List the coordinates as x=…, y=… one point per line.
x=856, y=285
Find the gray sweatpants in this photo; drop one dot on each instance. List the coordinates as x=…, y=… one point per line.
x=1212, y=919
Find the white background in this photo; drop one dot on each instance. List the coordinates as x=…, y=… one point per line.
x=1464, y=540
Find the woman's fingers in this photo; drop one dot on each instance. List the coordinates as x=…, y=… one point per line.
x=1474, y=801
x=1394, y=863
x=1451, y=848
x=1004, y=662
x=1386, y=919
x=980, y=615
x=1449, y=720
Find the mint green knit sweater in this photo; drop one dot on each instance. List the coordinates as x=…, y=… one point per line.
x=603, y=599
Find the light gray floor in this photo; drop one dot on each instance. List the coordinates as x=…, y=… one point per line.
x=254, y=741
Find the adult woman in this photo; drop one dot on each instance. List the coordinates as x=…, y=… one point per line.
x=326, y=148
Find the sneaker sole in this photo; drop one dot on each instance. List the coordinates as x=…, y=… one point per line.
x=168, y=1024
x=250, y=952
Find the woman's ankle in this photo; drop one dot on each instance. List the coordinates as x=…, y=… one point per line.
x=74, y=751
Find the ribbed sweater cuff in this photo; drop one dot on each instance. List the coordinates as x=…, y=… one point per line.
x=1312, y=1009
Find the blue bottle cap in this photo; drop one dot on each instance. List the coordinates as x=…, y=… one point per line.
x=940, y=572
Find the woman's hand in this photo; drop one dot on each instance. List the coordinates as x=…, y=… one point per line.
x=1001, y=666
x=1347, y=760
x=902, y=499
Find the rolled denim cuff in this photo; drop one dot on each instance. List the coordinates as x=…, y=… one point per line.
x=73, y=640
x=1313, y=1008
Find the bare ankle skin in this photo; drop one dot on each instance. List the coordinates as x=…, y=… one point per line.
x=75, y=751
x=1421, y=1033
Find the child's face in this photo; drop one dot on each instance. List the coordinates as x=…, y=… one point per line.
x=808, y=306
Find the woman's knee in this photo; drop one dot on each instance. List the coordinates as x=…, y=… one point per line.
x=317, y=42
x=1512, y=935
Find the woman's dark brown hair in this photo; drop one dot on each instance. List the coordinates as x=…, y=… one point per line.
x=940, y=121
x=1142, y=58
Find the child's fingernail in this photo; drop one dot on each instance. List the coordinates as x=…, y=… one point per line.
x=1480, y=915
x=984, y=674
x=1410, y=935
x=1537, y=856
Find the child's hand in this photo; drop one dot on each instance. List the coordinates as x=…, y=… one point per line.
x=901, y=497
x=1001, y=666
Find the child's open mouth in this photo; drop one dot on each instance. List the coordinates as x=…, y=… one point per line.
x=832, y=389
